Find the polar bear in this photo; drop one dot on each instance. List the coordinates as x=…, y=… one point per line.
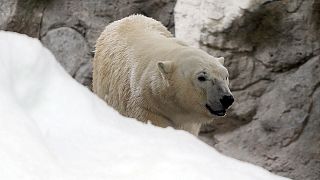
x=143, y=72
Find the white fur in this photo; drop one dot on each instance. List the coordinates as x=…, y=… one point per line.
x=145, y=73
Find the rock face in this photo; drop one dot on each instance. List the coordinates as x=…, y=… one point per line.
x=272, y=51
x=69, y=28
x=71, y=50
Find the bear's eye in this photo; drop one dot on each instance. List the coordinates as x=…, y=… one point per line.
x=202, y=78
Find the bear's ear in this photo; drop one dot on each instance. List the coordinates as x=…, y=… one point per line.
x=165, y=67
x=221, y=60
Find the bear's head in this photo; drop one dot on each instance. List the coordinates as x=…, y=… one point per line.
x=199, y=81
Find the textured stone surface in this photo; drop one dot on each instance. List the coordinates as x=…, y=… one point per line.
x=70, y=27
x=71, y=50
x=7, y=10
x=272, y=53
x=24, y=16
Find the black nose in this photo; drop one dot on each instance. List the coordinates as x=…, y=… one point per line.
x=226, y=101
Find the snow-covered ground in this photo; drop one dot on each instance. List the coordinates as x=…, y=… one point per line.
x=51, y=127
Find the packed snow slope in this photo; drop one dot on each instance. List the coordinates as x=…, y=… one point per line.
x=51, y=127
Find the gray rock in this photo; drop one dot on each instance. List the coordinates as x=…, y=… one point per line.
x=273, y=56
x=7, y=10
x=71, y=50
x=23, y=16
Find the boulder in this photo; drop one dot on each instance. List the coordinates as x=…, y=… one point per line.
x=71, y=51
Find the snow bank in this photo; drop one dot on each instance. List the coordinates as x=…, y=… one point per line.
x=51, y=127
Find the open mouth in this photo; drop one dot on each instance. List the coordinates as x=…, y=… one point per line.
x=218, y=113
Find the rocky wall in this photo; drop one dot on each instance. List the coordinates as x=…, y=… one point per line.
x=272, y=53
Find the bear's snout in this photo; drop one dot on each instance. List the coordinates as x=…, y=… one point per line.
x=227, y=101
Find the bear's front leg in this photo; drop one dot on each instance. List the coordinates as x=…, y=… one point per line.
x=158, y=120
x=193, y=128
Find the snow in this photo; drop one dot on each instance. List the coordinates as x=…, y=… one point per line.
x=192, y=15
x=51, y=127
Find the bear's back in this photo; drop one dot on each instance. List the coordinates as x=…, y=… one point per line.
x=112, y=64
x=136, y=24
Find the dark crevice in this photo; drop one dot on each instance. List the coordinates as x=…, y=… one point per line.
x=267, y=66
x=232, y=50
x=250, y=84
x=41, y=22
x=288, y=67
x=269, y=2
x=314, y=89
x=52, y=27
x=299, y=131
x=301, y=62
